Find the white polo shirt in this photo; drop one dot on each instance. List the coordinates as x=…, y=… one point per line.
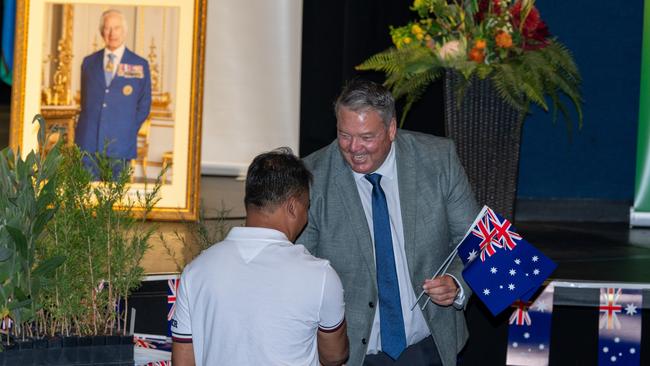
x=256, y=299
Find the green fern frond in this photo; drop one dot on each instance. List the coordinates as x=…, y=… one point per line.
x=415, y=90
x=567, y=118
x=507, y=84
x=571, y=91
x=537, y=63
x=534, y=95
x=407, y=86
x=557, y=54
x=388, y=61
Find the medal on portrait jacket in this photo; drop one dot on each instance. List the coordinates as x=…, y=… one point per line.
x=127, y=90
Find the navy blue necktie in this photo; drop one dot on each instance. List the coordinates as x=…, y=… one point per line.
x=393, y=336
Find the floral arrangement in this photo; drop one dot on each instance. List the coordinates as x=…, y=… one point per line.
x=504, y=40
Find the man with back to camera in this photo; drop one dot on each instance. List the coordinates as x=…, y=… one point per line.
x=115, y=96
x=255, y=298
x=387, y=207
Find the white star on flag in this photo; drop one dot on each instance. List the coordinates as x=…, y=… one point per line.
x=540, y=306
x=518, y=261
x=511, y=286
x=512, y=272
x=486, y=291
x=472, y=255
x=535, y=258
x=536, y=271
x=493, y=270
x=630, y=309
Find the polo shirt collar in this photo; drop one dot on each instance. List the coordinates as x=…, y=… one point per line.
x=251, y=241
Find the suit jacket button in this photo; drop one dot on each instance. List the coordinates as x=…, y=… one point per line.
x=371, y=304
x=363, y=341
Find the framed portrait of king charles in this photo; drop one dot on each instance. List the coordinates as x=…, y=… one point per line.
x=116, y=77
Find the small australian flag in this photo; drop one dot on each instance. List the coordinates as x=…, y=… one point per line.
x=500, y=266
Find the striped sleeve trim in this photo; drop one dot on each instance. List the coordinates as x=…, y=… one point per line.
x=181, y=337
x=332, y=329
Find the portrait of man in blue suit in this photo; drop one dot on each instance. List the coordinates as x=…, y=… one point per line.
x=115, y=95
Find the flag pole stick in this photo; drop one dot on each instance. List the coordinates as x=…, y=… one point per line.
x=447, y=261
x=444, y=264
x=426, y=302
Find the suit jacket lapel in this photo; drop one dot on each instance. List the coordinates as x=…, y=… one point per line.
x=407, y=181
x=126, y=57
x=347, y=188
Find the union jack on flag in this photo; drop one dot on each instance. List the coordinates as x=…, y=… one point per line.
x=143, y=343
x=529, y=332
x=619, y=333
x=483, y=231
x=171, y=296
x=160, y=363
x=504, y=231
x=609, y=307
x=520, y=316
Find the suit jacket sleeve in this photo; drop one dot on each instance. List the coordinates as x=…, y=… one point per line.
x=461, y=211
x=144, y=99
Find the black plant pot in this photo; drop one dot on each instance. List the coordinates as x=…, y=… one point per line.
x=487, y=133
x=98, y=350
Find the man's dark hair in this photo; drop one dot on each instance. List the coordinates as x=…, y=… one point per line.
x=275, y=176
x=360, y=95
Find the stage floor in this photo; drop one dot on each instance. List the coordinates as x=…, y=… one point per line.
x=592, y=251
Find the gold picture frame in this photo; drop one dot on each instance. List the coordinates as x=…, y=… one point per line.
x=55, y=37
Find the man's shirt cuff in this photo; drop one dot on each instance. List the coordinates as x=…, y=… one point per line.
x=460, y=296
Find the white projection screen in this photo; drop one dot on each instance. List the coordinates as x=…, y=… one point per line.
x=251, y=99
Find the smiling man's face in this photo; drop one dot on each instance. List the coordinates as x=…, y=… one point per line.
x=364, y=139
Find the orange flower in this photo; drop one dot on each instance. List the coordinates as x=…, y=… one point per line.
x=503, y=40
x=477, y=55
x=479, y=44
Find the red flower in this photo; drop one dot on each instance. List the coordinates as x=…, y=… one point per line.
x=484, y=7
x=534, y=30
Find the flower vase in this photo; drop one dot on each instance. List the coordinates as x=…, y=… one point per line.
x=487, y=134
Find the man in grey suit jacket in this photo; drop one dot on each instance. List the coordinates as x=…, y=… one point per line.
x=430, y=205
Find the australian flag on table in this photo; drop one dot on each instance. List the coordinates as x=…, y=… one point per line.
x=500, y=266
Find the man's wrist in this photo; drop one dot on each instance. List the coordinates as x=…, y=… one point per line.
x=459, y=300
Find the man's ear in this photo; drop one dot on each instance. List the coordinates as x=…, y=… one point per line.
x=291, y=207
x=392, y=129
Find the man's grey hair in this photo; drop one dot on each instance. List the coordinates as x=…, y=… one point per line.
x=361, y=95
x=108, y=12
